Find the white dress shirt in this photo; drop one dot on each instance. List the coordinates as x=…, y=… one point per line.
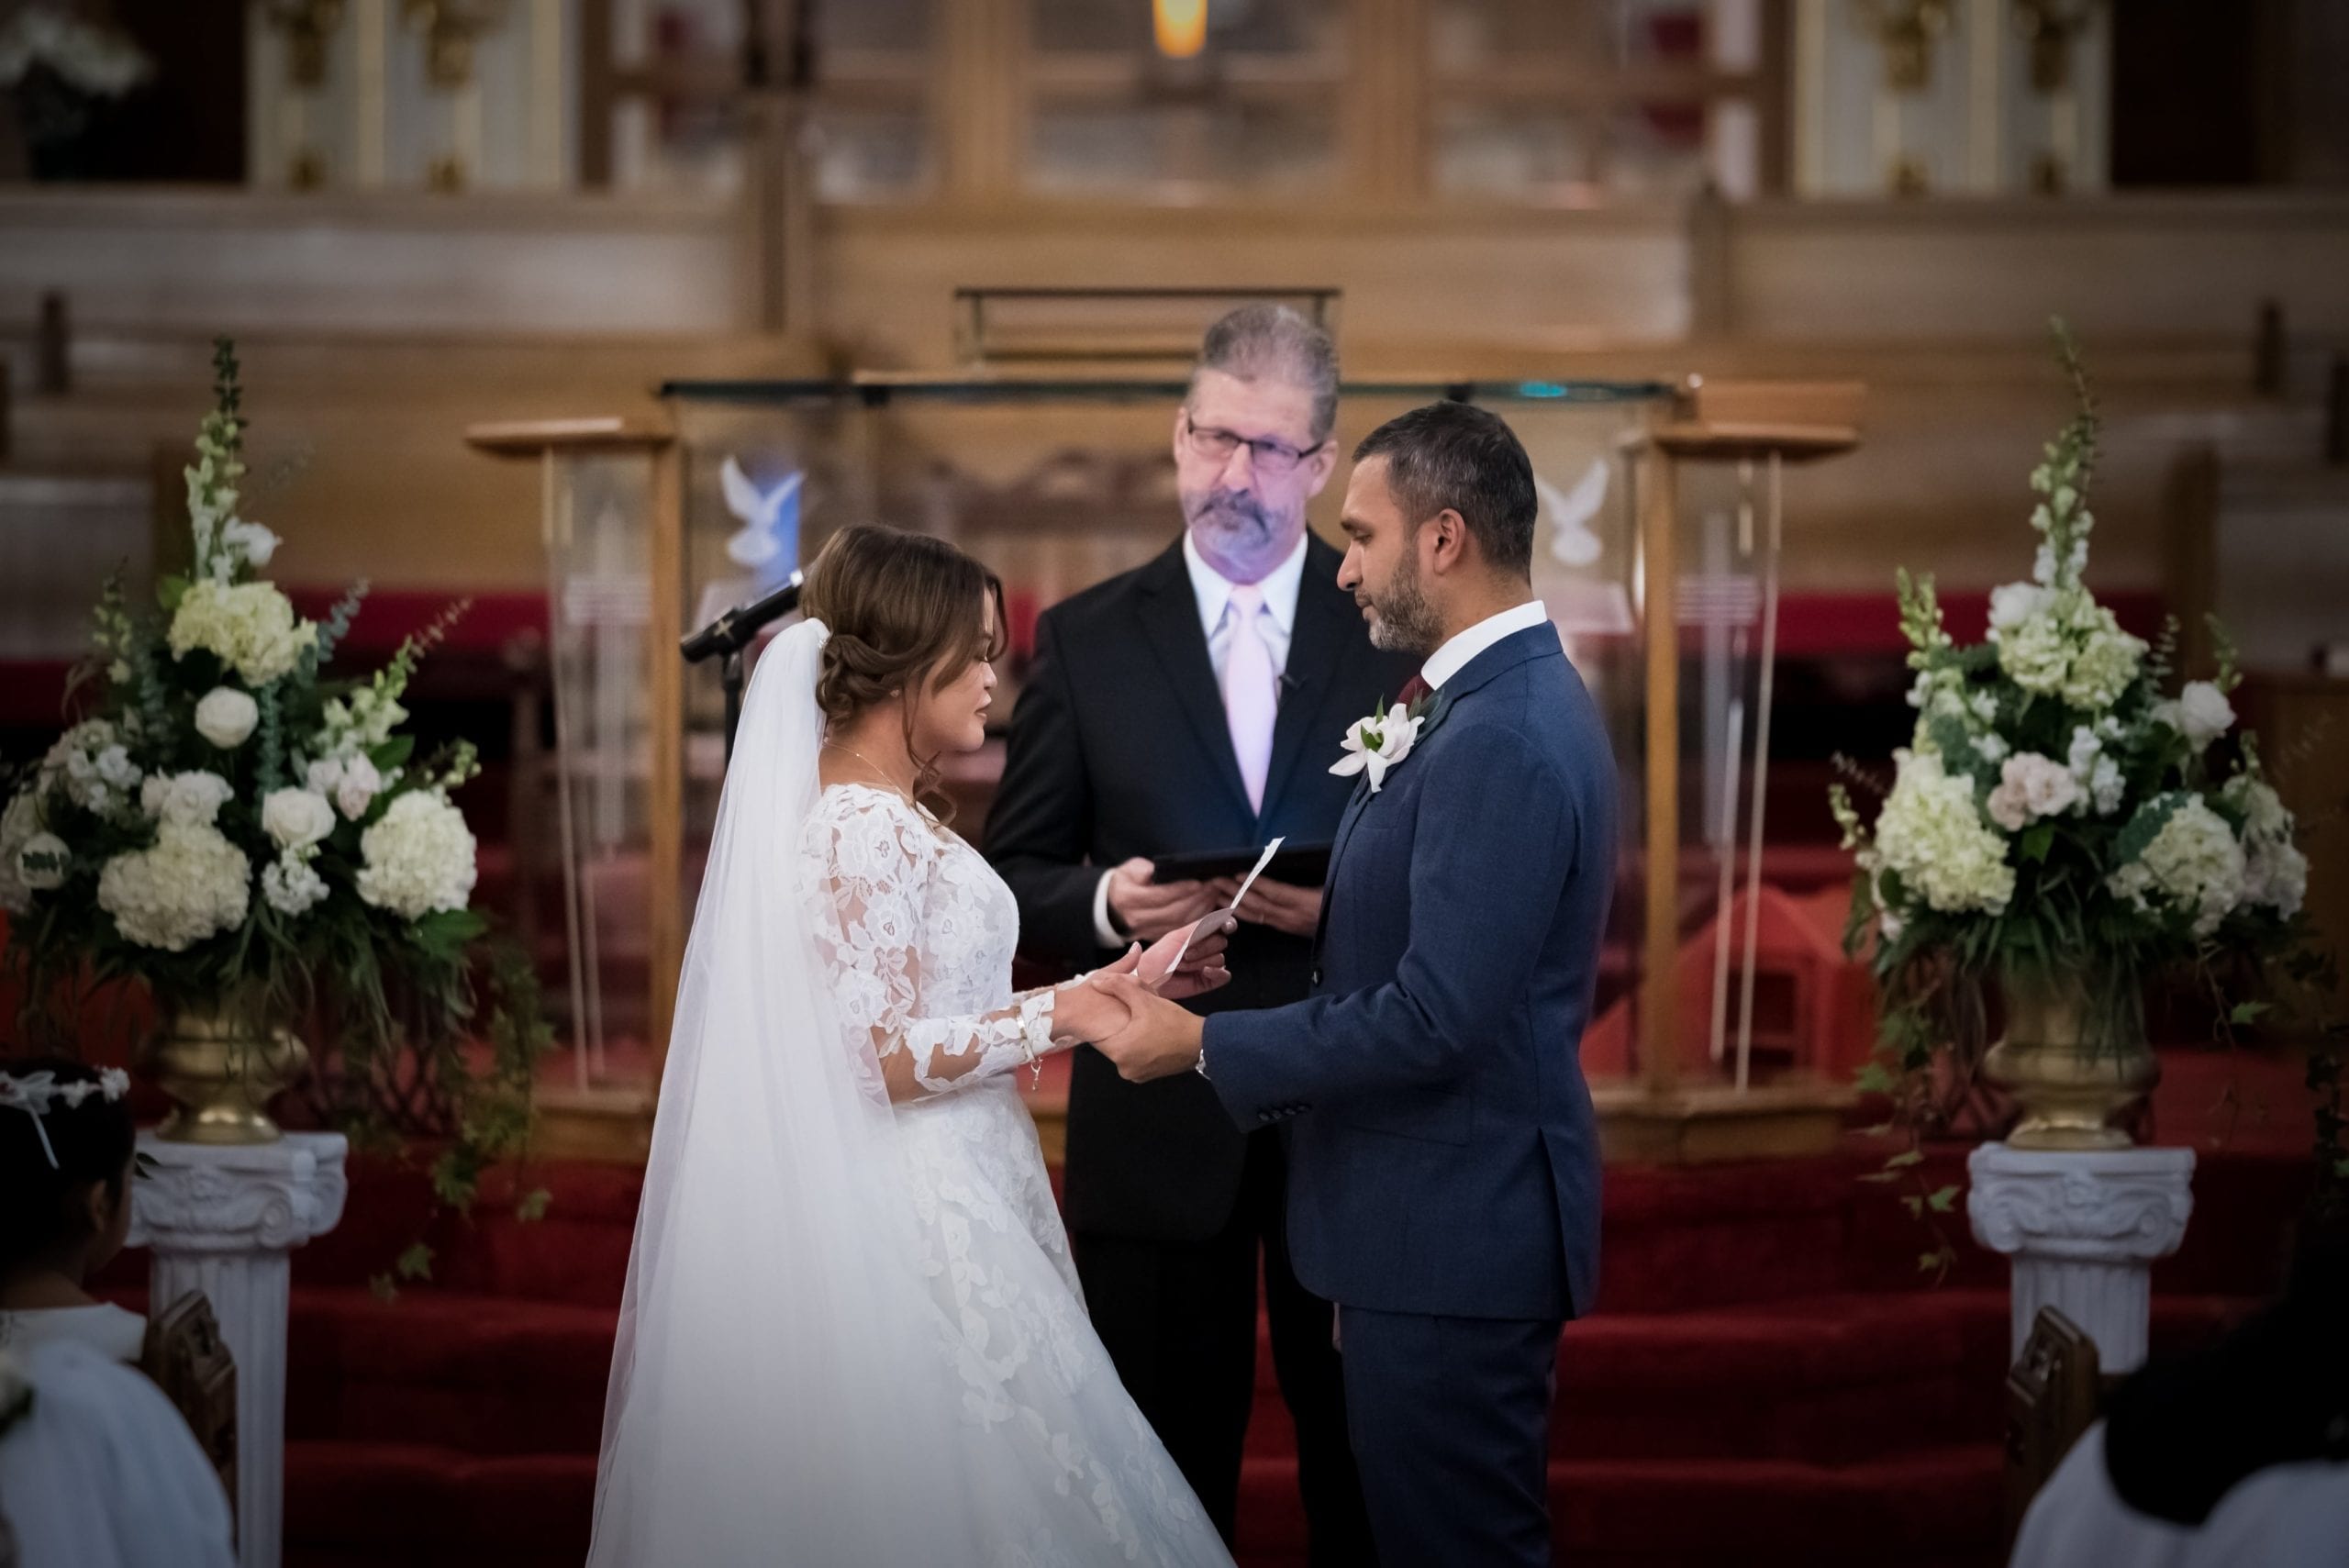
x=1453, y=656
x=1213, y=591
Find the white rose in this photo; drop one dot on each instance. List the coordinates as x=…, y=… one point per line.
x=47, y=848
x=296, y=818
x=2201, y=713
x=2017, y=603
x=419, y=858
x=185, y=800
x=356, y=787
x=251, y=541
x=226, y=716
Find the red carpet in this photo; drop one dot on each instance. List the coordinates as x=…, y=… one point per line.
x=1766, y=1381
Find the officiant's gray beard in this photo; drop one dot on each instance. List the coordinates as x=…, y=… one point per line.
x=1242, y=530
x=1408, y=622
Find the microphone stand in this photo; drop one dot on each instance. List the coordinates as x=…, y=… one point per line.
x=732, y=632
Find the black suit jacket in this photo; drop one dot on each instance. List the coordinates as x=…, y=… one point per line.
x=1119, y=748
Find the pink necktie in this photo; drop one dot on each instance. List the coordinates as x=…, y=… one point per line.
x=1249, y=694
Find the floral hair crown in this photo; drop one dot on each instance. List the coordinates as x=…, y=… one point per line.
x=34, y=1093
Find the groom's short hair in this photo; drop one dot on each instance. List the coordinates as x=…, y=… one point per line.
x=1458, y=457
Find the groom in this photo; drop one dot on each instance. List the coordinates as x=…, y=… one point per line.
x=1443, y=1186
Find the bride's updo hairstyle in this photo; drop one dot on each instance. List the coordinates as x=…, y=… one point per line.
x=903, y=610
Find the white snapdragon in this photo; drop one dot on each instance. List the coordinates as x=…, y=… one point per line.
x=249, y=627
x=2096, y=772
x=226, y=716
x=2200, y=712
x=185, y=800
x=296, y=818
x=419, y=858
x=2031, y=786
x=1933, y=838
x=360, y=722
x=2194, y=865
x=192, y=884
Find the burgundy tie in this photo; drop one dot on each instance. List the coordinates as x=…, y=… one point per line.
x=1413, y=690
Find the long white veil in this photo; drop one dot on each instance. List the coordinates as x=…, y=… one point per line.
x=779, y=1392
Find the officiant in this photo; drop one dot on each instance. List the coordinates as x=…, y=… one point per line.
x=1190, y=706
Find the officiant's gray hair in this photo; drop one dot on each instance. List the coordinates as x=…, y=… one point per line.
x=1268, y=340
x=1456, y=457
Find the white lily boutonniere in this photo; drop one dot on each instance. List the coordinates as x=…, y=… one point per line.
x=1377, y=744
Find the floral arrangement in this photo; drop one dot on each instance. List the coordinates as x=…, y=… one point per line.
x=96, y=62
x=229, y=826
x=2064, y=807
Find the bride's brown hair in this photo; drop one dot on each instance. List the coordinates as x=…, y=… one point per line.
x=904, y=608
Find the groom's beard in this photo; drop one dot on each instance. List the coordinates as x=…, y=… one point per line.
x=1407, y=622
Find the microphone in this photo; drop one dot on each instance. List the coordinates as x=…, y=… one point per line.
x=732, y=632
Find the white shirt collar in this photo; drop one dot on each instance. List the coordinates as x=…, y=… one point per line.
x=1453, y=656
x=1213, y=590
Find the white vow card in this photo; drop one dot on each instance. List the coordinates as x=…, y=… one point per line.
x=1218, y=916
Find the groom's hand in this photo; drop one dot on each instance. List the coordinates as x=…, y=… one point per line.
x=1161, y=1040
x=1280, y=905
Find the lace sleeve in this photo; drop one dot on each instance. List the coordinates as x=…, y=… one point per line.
x=875, y=860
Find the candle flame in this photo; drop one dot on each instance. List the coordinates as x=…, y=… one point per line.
x=1181, y=26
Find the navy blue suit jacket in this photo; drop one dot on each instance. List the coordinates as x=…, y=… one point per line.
x=1445, y=1157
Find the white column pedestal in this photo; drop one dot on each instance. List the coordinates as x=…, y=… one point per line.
x=222, y=1220
x=2083, y=1230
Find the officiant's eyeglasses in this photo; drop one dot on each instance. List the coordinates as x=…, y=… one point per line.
x=1270, y=458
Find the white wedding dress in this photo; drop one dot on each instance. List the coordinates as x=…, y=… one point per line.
x=852, y=1332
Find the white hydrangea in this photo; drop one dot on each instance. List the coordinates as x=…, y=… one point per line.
x=192, y=884
x=226, y=716
x=185, y=800
x=2276, y=873
x=296, y=818
x=2031, y=786
x=249, y=627
x=419, y=858
x=2200, y=712
x=1931, y=835
x=19, y=823
x=2193, y=865
x=291, y=884
x=93, y=767
x=2069, y=647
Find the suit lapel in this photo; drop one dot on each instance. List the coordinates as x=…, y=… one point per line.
x=1170, y=618
x=1314, y=639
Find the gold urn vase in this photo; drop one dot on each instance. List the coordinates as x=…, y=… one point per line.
x=2077, y=1067
x=221, y=1070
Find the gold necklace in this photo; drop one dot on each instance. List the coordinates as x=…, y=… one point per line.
x=893, y=783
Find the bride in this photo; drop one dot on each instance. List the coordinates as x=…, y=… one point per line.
x=851, y=1333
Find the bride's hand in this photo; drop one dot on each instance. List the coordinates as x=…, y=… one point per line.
x=1083, y=1012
